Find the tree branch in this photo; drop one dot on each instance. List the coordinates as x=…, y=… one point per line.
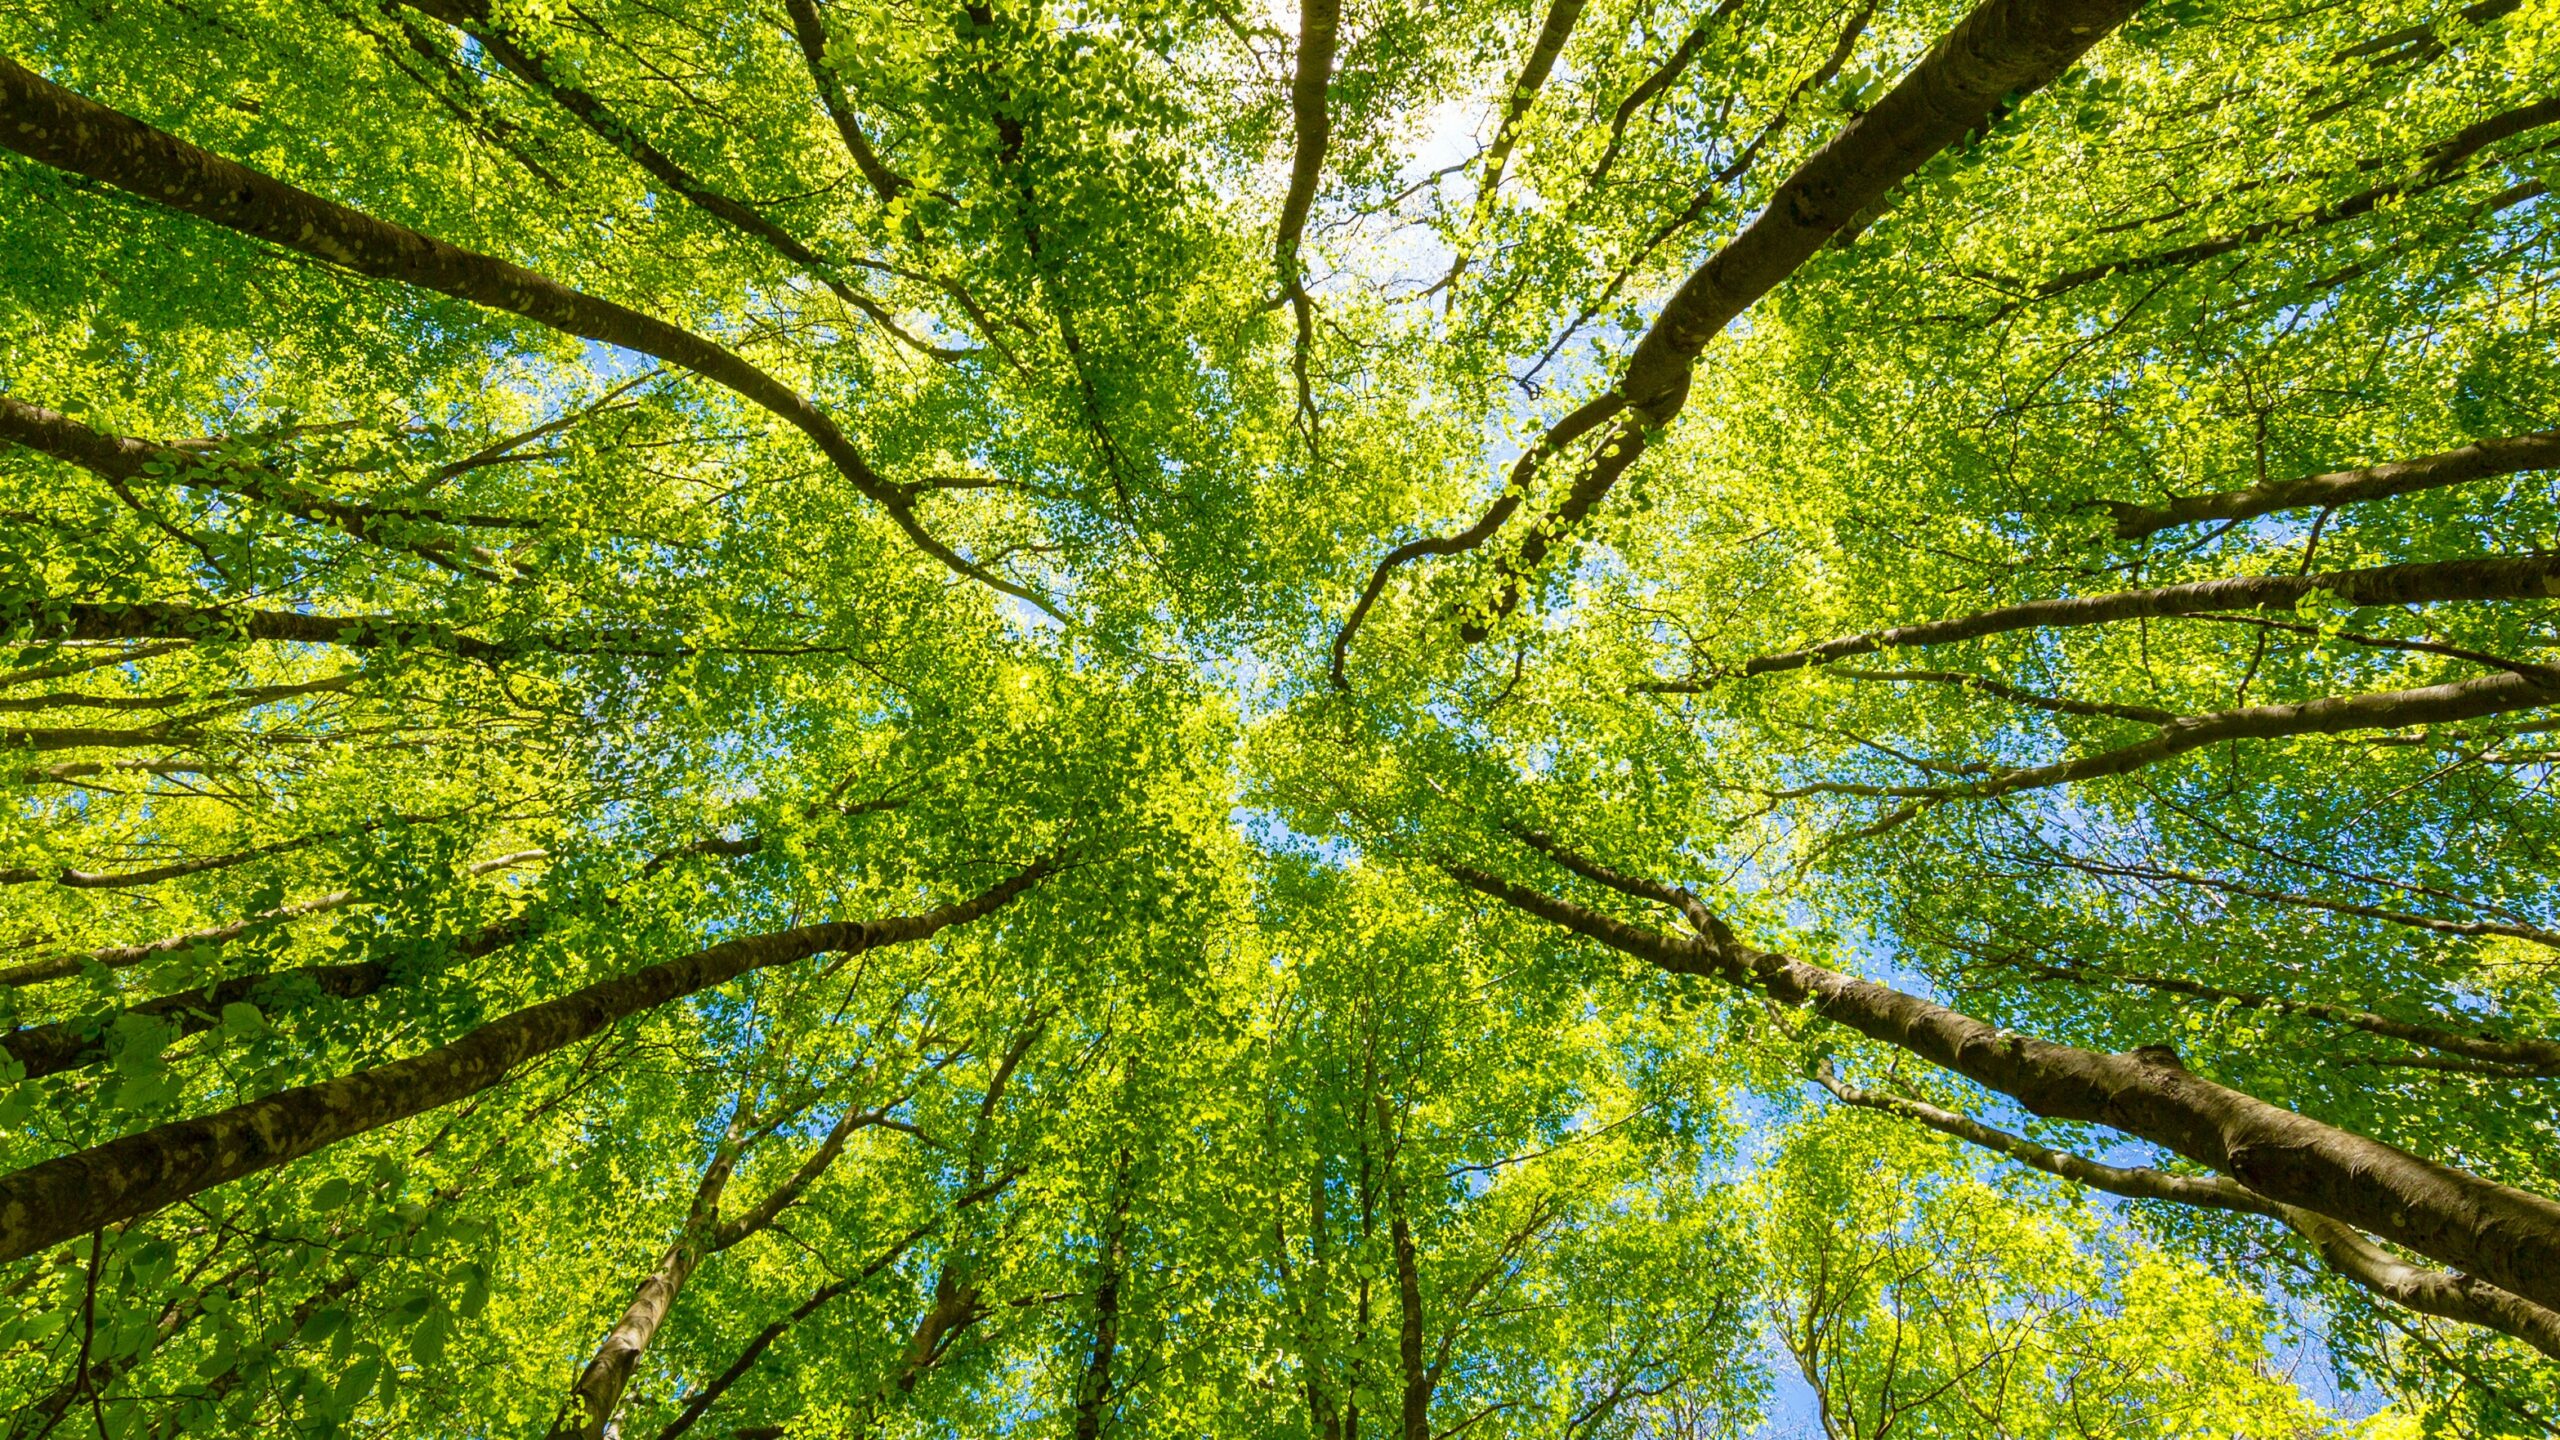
x=53, y=126
x=2507, y=1236
x=2000, y=50
x=2488, y=577
x=2479, y=460
x=73, y=1194
x=2440, y=1293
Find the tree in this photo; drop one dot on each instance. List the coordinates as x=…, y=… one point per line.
x=1517, y=719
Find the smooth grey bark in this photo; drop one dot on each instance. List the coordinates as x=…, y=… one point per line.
x=74, y=1194
x=2505, y=1236
x=54, y=126
x=2440, y=1293
x=2486, y=577
x=2003, y=49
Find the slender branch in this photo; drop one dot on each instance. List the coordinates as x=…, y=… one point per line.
x=2211, y=1192
x=2534, y=1056
x=809, y=29
x=709, y=1394
x=72, y=1044
x=474, y=18
x=2506, y=455
x=152, y=620
x=1311, y=111
x=81, y=664
x=1552, y=34
x=2329, y=715
x=2513, y=929
x=118, y=459
x=1318, y=26
x=2444, y=167
x=2490, y=577
x=175, y=869
x=1565, y=432
x=1654, y=84
x=2056, y=704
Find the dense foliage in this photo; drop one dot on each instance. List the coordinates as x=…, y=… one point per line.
x=1565, y=718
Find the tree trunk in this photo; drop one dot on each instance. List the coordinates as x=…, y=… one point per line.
x=2509, y=1237
x=74, y=1194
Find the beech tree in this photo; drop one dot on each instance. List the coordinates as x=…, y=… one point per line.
x=1586, y=718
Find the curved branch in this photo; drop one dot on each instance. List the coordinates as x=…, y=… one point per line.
x=810, y=30
x=2440, y=1293
x=73, y=1194
x=1654, y=84
x=2002, y=49
x=1562, y=15
x=139, y=620
x=2479, y=460
x=708, y=1394
x=56, y=127
x=117, y=957
x=2507, y=1236
x=1318, y=26
x=473, y=18
x=2210, y=1192
x=1318, y=33
x=2514, y=930
x=2488, y=577
x=176, y=869
x=1566, y=431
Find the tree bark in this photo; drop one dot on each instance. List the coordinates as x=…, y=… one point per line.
x=2488, y=577
x=2444, y=1294
x=1093, y=1388
x=810, y=31
x=1318, y=28
x=703, y=1398
x=1415, y=1410
x=2506, y=1236
x=74, y=1194
x=1562, y=16
x=2439, y=1293
x=2003, y=49
x=598, y=1390
x=2506, y=455
x=56, y=127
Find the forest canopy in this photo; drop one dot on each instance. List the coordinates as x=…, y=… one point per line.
x=1587, y=719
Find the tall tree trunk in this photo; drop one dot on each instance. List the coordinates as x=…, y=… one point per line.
x=1093, y=1388
x=599, y=1387
x=74, y=1194
x=1416, y=1409
x=2506, y=1236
